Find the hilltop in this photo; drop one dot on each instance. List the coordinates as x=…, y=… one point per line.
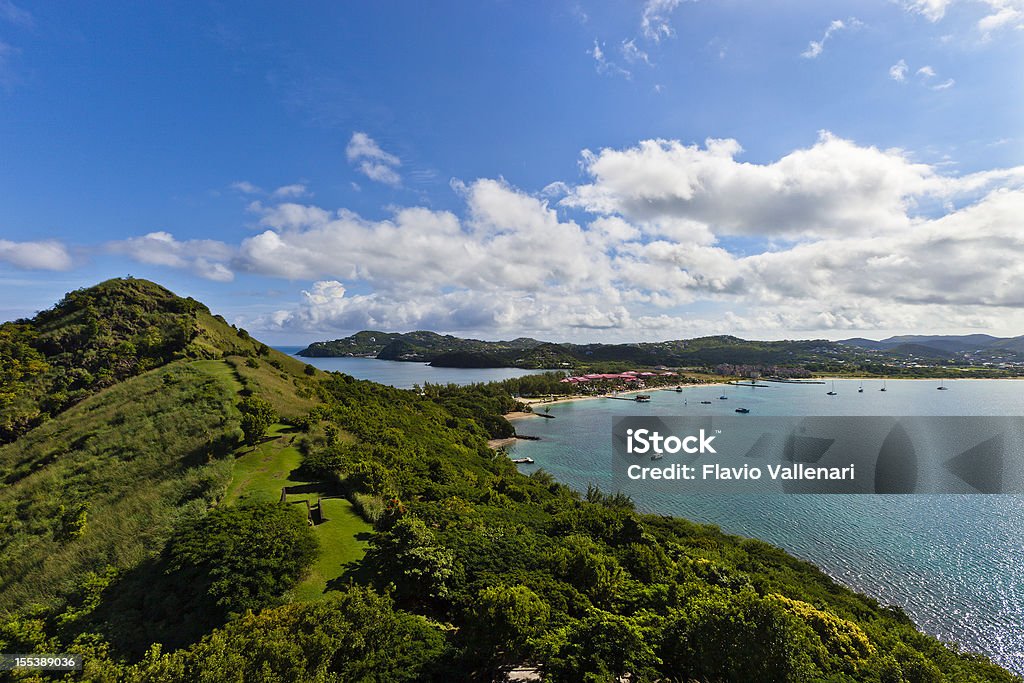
x=210, y=509
x=97, y=337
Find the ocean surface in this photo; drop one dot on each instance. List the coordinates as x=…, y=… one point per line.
x=404, y=375
x=954, y=563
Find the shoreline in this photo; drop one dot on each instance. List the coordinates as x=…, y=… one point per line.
x=519, y=415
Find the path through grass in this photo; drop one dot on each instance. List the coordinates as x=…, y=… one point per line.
x=260, y=473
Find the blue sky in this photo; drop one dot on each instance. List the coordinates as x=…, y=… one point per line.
x=568, y=170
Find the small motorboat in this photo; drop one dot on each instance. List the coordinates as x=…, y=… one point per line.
x=523, y=461
x=706, y=403
x=743, y=410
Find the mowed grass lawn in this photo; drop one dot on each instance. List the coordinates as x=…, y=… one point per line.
x=342, y=540
x=260, y=473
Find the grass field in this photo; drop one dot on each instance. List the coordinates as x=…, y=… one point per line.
x=341, y=542
x=259, y=474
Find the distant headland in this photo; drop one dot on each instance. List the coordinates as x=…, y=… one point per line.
x=976, y=355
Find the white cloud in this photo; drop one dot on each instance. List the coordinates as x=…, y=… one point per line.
x=245, y=187
x=816, y=47
x=833, y=187
x=634, y=54
x=206, y=258
x=666, y=240
x=295, y=190
x=372, y=161
x=605, y=67
x=36, y=255
x=654, y=21
x=933, y=10
x=1005, y=14
x=999, y=14
x=898, y=71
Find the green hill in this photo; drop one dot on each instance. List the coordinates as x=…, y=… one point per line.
x=915, y=356
x=145, y=527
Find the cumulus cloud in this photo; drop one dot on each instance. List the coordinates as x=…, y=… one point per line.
x=372, y=161
x=37, y=255
x=832, y=187
x=833, y=237
x=206, y=258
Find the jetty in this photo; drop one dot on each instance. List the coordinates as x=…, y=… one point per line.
x=750, y=384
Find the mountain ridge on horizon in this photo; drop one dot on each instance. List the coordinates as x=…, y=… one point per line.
x=451, y=351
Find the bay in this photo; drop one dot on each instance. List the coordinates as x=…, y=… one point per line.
x=405, y=375
x=952, y=562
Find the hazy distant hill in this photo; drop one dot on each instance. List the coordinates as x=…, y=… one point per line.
x=978, y=346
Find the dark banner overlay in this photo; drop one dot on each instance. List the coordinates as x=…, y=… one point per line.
x=844, y=454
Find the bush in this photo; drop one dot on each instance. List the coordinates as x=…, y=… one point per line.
x=257, y=416
x=245, y=557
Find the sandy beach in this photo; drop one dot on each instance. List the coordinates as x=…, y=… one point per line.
x=533, y=402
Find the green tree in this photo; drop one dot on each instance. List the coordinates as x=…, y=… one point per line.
x=506, y=618
x=410, y=557
x=245, y=556
x=257, y=416
x=602, y=647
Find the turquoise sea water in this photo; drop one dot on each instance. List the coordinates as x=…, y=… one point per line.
x=954, y=563
x=404, y=375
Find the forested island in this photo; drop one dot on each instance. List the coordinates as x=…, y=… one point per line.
x=181, y=502
x=975, y=355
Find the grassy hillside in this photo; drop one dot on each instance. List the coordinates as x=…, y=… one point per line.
x=142, y=532
x=104, y=483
